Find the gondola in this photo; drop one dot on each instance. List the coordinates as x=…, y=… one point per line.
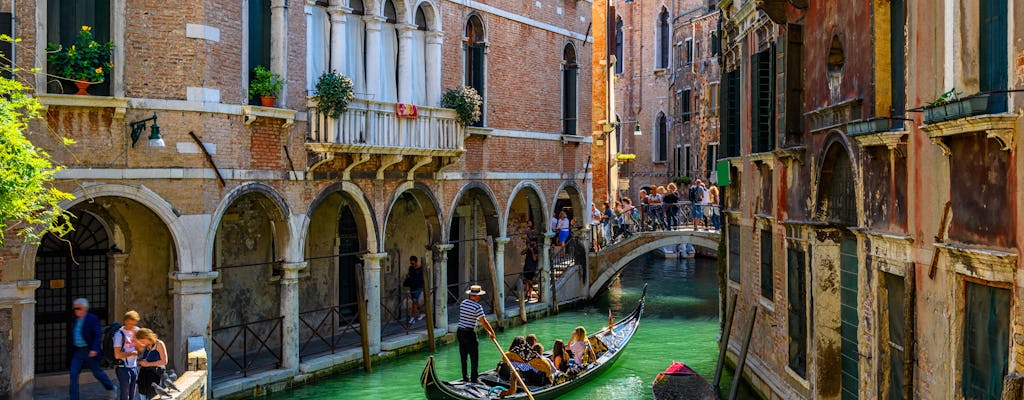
x=680, y=382
x=615, y=339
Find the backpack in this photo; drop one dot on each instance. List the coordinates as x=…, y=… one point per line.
x=695, y=194
x=107, y=345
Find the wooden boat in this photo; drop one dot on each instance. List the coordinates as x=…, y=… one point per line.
x=680, y=382
x=614, y=339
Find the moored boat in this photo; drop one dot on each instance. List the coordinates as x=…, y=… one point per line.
x=680, y=382
x=609, y=344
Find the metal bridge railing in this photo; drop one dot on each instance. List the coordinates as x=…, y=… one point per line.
x=252, y=346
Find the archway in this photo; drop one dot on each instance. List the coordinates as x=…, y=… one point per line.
x=526, y=219
x=248, y=249
x=474, y=218
x=573, y=250
x=118, y=257
x=341, y=228
x=412, y=227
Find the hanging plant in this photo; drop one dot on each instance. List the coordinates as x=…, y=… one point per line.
x=85, y=61
x=333, y=92
x=466, y=103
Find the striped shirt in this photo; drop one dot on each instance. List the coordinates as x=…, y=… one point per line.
x=469, y=311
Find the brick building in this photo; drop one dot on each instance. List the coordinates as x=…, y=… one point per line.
x=696, y=86
x=874, y=237
x=271, y=220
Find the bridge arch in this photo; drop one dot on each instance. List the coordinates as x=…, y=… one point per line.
x=611, y=260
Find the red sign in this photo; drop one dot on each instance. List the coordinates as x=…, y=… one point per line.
x=406, y=110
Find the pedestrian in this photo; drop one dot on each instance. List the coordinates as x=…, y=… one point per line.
x=705, y=201
x=609, y=222
x=562, y=230
x=597, y=219
x=671, y=206
x=530, y=267
x=152, y=361
x=471, y=313
x=629, y=214
x=127, y=355
x=657, y=199
x=84, y=346
x=696, y=195
x=414, y=281
x=716, y=212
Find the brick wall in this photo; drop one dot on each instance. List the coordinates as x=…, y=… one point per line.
x=265, y=151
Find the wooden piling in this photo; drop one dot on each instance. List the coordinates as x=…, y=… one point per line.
x=743, y=357
x=428, y=304
x=363, y=332
x=522, y=303
x=499, y=307
x=726, y=333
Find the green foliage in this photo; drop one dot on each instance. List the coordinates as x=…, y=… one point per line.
x=948, y=97
x=29, y=205
x=86, y=60
x=333, y=92
x=466, y=103
x=265, y=83
x=682, y=180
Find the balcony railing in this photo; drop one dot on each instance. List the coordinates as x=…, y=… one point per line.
x=373, y=127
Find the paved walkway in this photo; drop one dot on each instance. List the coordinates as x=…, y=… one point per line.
x=55, y=386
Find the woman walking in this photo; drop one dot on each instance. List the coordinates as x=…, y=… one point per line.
x=152, y=362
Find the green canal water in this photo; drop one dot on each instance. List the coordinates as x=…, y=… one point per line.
x=680, y=323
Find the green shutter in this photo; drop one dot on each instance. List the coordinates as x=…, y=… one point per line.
x=762, y=94
x=986, y=341
x=796, y=287
x=849, y=320
x=992, y=53
x=767, y=266
x=5, y=46
x=734, y=253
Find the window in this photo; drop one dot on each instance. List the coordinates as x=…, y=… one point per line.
x=712, y=157
x=734, y=253
x=895, y=339
x=318, y=32
x=716, y=45
x=387, y=87
x=696, y=50
x=985, y=340
x=731, y=123
x=661, y=138
x=794, y=86
x=619, y=42
x=6, y=55
x=713, y=90
x=763, y=96
x=474, y=68
x=569, y=72
x=992, y=49
x=686, y=157
x=796, y=290
x=663, y=39
x=897, y=44
x=65, y=19
x=685, y=105
x=849, y=320
x=259, y=35
x=677, y=162
x=767, y=266
x=355, y=45
x=417, y=58
x=689, y=51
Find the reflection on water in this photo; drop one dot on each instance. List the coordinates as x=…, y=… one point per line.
x=680, y=324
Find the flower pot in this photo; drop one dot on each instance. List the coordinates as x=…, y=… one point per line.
x=267, y=101
x=82, y=86
x=868, y=126
x=970, y=106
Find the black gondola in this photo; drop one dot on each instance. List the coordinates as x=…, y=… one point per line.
x=614, y=339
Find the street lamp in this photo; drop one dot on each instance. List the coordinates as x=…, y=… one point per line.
x=636, y=131
x=155, y=140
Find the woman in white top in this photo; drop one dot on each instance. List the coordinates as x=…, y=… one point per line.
x=562, y=230
x=579, y=345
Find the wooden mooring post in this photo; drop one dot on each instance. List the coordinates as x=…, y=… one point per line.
x=428, y=303
x=363, y=333
x=726, y=333
x=499, y=306
x=738, y=377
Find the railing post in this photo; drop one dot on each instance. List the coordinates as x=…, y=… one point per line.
x=441, y=282
x=547, y=283
x=290, y=314
x=371, y=290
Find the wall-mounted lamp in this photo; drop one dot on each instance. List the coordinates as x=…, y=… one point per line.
x=637, y=132
x=155, y=140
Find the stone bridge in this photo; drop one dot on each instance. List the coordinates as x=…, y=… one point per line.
x=608, y=262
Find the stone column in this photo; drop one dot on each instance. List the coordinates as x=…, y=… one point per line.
x=371, y=292
x=432, y=55
x=338, y=45
x=118, y=262
x=18, y=324
x=372, y=51
x=290, y=312
x=278, y=45
x=193, y=312
x=441, y=281
x=405, y=62
x=546, y=284
x=499, y=271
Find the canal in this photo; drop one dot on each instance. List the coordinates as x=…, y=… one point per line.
x=680, y=323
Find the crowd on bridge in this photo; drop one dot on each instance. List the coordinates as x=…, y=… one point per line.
x=659, y=208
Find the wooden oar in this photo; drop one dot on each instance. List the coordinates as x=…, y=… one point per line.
x=515, y=373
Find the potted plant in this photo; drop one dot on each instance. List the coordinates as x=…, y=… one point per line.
x=466, y=103
x=86, y=62
x=266, y=85
x=950, y=105
x=871, y=125
x=333, y=92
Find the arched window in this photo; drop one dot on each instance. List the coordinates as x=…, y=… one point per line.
x=663, y=39
x=661, y=138
x=355, y=47
x=418, y=58
x=620, y=40
x=387, y=88
x=65, y=18
x=569, y=71
x=318, y=45
x=476, y=75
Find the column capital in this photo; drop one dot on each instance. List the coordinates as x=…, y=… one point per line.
x=294, y=266
x=191, y=283
x=338, y=13
x=444, y=247
x=549, y=235
x=182, y=277
x=373, y=22
x=405, y=28
x=501, y=240
x=278, y=4
x=373, y=260
x=434, y=37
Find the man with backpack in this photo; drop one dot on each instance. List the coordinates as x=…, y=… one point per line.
x=86, y=335
x=696, y=197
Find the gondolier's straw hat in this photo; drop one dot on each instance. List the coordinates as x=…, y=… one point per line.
x=476, y=290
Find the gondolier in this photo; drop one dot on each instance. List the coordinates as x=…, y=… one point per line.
x=471, y=312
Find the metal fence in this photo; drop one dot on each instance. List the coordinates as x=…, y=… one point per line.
x=253, y=346
x=330, y=329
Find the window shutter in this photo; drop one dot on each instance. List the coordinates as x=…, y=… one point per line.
x=6, y=28
x=992, y=53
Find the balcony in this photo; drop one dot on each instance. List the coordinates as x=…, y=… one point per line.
x=370, y=127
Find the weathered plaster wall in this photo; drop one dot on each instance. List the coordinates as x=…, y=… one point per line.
x=406, y=235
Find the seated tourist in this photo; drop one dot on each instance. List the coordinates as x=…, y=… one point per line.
x=579, y=344
x=531, y=340
x=559, y=357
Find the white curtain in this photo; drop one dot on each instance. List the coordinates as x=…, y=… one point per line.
x=318, y=29
x=419, y=67
x=387, y=88
x=354, y=43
